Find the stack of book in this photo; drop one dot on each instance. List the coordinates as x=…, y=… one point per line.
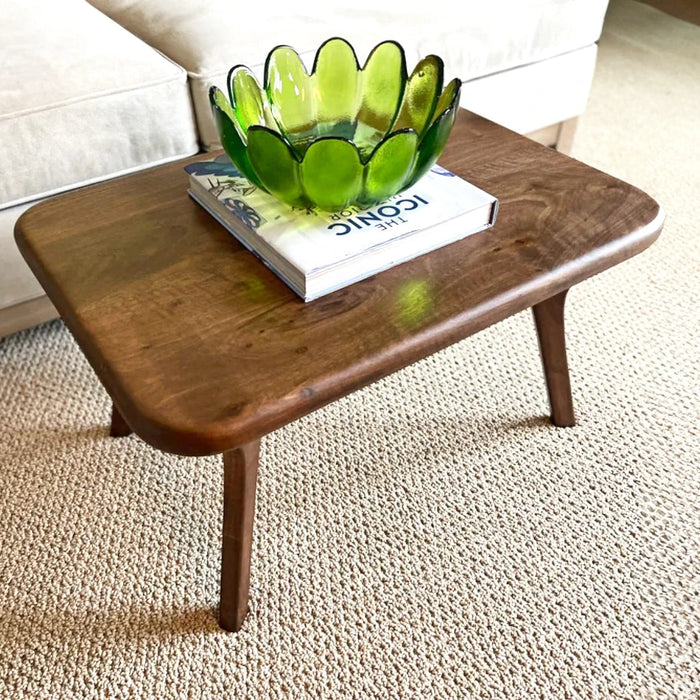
x=317, y=252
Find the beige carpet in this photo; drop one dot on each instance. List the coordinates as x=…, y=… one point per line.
x=429, y=537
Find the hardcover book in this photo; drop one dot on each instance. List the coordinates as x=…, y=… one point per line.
x=317, y=252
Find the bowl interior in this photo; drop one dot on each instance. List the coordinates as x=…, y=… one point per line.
x=338, y=98
x=365, y=137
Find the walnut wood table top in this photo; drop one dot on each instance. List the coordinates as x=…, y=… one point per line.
x=203, y=349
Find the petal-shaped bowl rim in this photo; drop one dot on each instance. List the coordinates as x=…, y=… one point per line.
x=390, y=131
x=321, y=47
x=403, y=76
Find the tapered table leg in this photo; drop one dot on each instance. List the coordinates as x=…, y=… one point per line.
x=240, y=476
x=549, y=319
x=118, y=427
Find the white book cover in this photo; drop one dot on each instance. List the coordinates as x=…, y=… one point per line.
x=316, y=252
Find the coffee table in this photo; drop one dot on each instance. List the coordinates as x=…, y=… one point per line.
x=204, y=350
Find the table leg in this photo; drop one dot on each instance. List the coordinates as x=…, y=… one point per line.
x=240, y=475
x=549, y=319
x=118, y=427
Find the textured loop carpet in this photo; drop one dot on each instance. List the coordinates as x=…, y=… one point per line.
x=431, y=536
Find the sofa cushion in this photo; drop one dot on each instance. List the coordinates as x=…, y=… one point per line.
x=17, y=282
x=529, y=97
x=475, y=38
x=82, y=99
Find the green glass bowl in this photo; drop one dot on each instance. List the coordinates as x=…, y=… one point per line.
x=342, y=135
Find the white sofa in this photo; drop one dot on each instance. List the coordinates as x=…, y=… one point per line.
x=92, y=91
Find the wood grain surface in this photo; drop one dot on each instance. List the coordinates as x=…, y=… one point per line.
x=240, y=478
x=549, y=320
x=118, y=426
x=204, y=349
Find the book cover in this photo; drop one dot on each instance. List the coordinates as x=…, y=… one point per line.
x=316, y=252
